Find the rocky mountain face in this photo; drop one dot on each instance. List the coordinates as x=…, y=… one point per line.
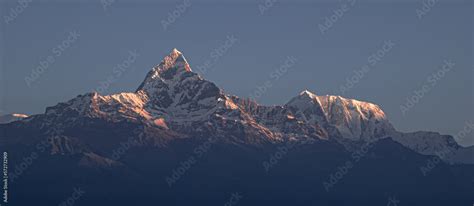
x=141, y=135
x=180, y=103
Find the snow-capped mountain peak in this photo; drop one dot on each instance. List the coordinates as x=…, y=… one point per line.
x=173, y=66
x=175, y=60
x=174, y=98
x=304, y=100
x=307, y=93
x=354, y=119
x=175, y=51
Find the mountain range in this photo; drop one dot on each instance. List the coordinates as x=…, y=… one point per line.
x=181, y=139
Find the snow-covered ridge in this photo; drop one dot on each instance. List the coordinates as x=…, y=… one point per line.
x=11, y=118
x=356, y=120
x=436, y=144
x=174, y=98
x=173, y=95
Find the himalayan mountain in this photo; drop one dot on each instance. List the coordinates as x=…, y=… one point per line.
x=179, y=139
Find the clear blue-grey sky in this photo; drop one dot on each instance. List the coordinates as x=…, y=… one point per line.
x=267, y=33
